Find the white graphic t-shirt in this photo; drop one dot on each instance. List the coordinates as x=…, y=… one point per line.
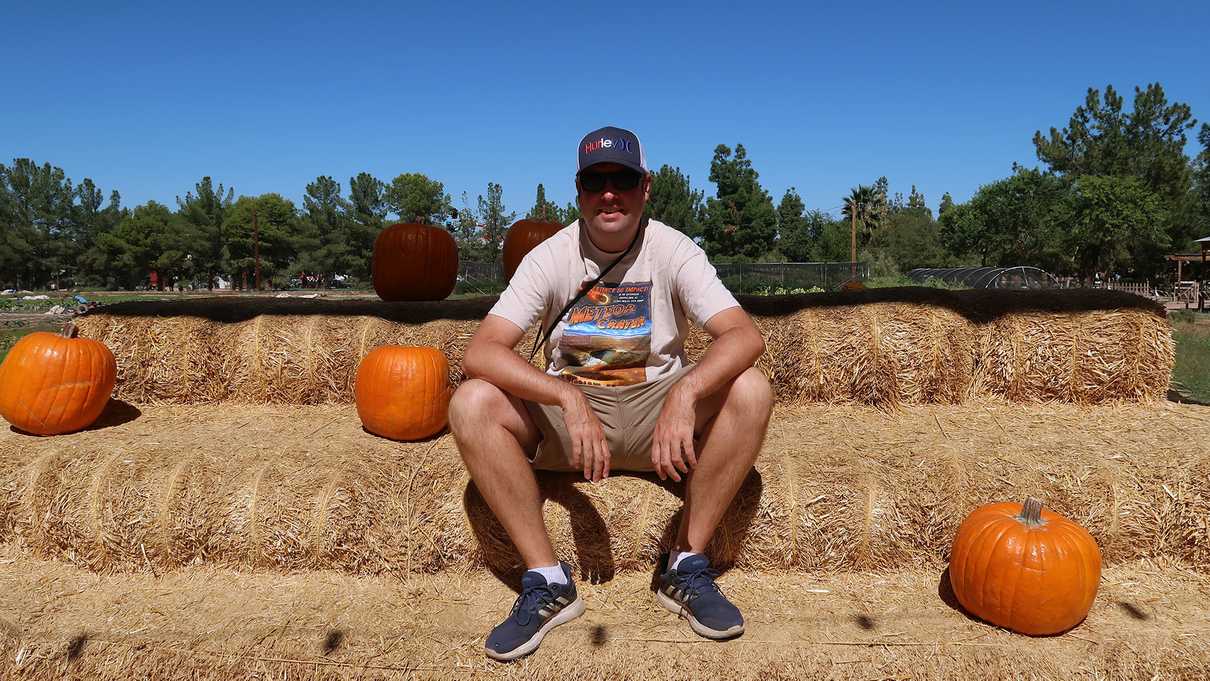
x=631, y=326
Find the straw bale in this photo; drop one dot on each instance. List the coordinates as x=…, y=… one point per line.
x=1148, y=622
x=837, y=488
x=882, y=347
x=1081, y=357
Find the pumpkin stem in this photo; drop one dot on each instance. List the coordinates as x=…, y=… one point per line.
x=1031, y=512
x=70, y=330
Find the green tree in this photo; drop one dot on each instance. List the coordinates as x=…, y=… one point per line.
x=1197, y=214
x=1147, y=143
x=493, y=218
x=327, y=240
x=674, y=202
x=367, y=201
x=93, y=222
x=151, y=239
x=571, y=213
x=270, y=221
x=740, y=218
x=206, y=211
x=794, y=238
x=543, y=209
x=911, y=240
x=1116, y=226
x=833, y=242
x=1014, y=221
x=36, y=202
x=869, y=206
x=947, y=202
x=414, y=197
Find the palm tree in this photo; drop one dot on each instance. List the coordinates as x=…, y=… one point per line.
x=866, y=206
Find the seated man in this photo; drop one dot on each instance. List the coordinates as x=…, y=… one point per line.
x=614, y=292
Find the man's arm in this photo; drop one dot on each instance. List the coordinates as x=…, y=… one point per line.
x=736, y=347
x=490, y=357
x=737, y=344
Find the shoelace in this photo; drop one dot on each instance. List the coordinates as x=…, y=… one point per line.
x=696, y=581
x=531, y=601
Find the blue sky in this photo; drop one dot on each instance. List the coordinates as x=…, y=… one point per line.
x=148, y=97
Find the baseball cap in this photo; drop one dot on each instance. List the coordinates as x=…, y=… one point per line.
x=612, y=145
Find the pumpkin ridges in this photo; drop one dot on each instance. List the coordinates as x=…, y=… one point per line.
x=979, y=540
x=398, y=396
x=1036, y=580
x=50, y=383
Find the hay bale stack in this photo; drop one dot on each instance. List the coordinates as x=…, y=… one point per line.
x=1080, y=357
x=883, y=347
x=836, y=488
x=880, y=354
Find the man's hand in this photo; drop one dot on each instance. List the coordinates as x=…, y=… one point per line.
x=589, y=450
x=672, y=441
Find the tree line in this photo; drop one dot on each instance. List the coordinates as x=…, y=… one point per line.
x=1114, y=193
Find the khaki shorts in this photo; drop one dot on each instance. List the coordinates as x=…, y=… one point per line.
x=627, y=413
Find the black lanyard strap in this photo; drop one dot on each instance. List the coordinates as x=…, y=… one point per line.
x=584, y=289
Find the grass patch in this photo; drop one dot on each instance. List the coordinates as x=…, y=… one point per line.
x=9, y=337
x=1192, y=372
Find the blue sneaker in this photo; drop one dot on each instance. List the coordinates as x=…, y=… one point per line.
x=690, y=590
x=540, y=608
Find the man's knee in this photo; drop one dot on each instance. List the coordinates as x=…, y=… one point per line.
x=751, y=394
x=474, y=402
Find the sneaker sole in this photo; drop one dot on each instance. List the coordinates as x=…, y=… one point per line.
x=564, y=616
x=698, y=628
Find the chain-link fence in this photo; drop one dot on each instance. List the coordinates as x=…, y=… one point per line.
x=761, y=277
x=788, y=277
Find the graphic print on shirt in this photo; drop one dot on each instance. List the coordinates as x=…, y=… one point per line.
x=608, y=335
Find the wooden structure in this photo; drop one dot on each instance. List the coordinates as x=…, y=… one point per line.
x=1181, y=258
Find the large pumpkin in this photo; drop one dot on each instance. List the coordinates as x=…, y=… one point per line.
x=1024, y=568
x=403, y=393
x=521, y=239
x=52, y=383
x=414, y=262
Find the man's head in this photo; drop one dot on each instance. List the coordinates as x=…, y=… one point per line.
x=612, y=183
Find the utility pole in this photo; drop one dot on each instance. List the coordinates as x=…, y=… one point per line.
x=256, y=245
x=853, y=242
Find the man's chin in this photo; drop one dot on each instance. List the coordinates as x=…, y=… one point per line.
x=612, y=225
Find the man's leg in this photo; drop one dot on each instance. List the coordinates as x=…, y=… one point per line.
x=494, y=431
x=732, y=423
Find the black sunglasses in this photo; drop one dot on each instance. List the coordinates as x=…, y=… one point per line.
x=621, y=180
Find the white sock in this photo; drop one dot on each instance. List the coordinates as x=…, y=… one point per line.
x=675, y=557
x=552, y=573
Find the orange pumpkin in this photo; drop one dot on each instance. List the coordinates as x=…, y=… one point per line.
x=52, y=383
x=403, y=393
x=521, y=239
x=1024, y=568
x=414, y=262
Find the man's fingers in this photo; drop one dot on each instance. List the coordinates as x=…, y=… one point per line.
x=657, y=458
x=598, y=464
x=588, y=457
x=690, y=455
x=668, y=464
x=575, y=451
x=678, y=459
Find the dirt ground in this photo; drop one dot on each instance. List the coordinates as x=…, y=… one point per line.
x=1149, y=621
